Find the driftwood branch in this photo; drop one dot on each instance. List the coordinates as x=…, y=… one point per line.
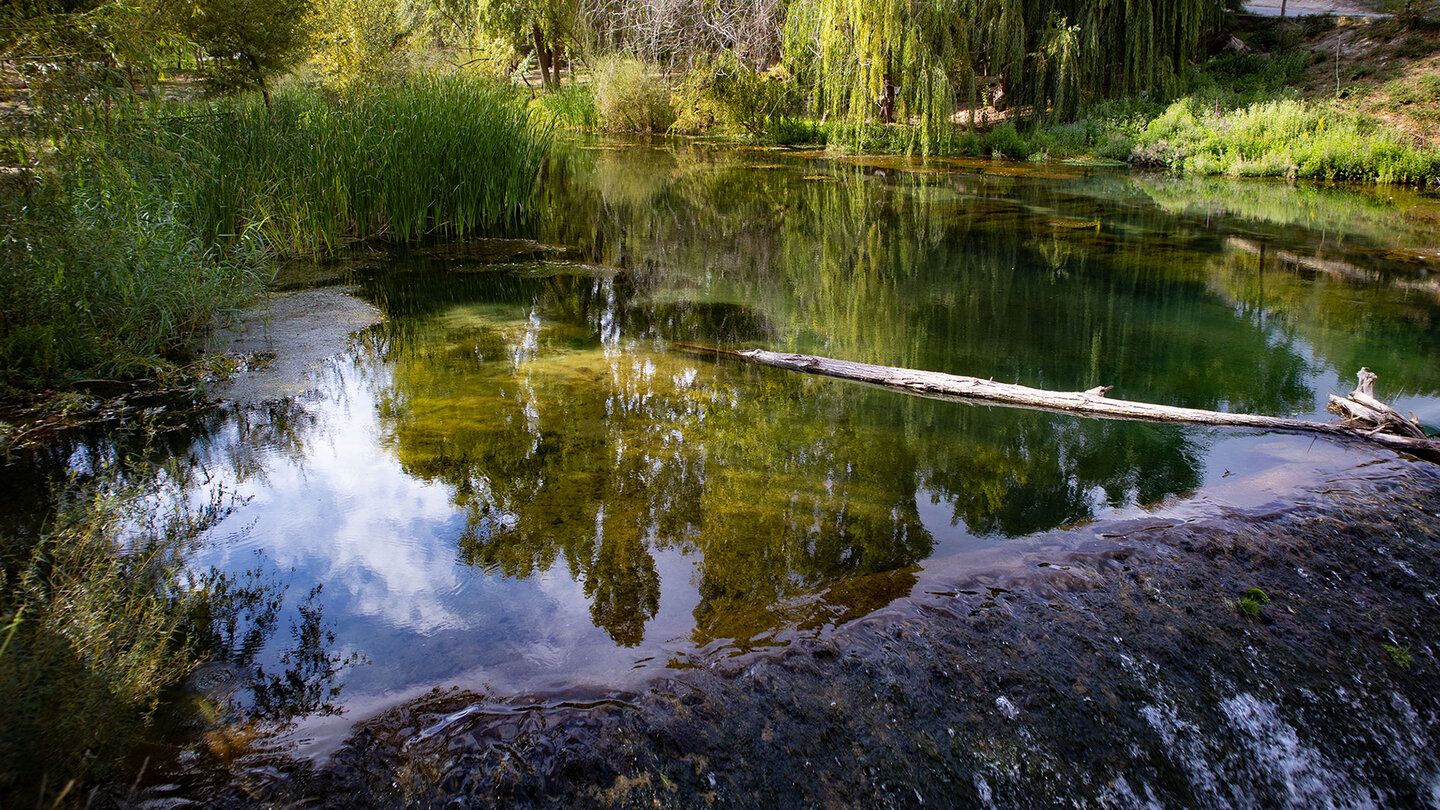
x=1366, y=418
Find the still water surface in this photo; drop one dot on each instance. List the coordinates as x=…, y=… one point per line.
x=520, y=481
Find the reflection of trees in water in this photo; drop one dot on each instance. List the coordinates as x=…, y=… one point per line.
x=544, y=403
x=240, y=614
x=1352, y=317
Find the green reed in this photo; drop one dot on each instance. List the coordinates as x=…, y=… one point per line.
x=446, y=156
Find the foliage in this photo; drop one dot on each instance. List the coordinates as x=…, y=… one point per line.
x=94, y=617
x=1321, y=141
x=910, y=62
x=358, y=41
x=571, y=107
x=430, y=155
x=1400, y=655
x=248, y=41
x=546, y=27
x=627, y=99
x=132, y=238
x=99, y=270
x=73, y=57
x=728, y=93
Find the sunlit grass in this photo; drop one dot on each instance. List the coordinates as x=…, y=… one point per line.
x=445, y=156
x=1288, y=138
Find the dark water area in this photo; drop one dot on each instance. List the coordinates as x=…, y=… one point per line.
x=519, y=491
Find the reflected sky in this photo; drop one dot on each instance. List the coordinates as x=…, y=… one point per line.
x=519, y=481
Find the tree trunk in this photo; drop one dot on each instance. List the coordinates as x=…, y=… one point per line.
x=887, y=102
x=260, y=78
x=1366, y=417
x=542, y=54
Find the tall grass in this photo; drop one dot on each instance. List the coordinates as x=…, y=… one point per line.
x=100, y=273
x=447, y=156
x=569, y=107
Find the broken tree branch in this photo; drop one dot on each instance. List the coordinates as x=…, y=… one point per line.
x=1367, y=419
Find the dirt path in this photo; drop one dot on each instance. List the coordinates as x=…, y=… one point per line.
x=1301, y=8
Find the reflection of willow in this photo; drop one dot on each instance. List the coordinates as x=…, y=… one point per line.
x=564, y=440
x=1348, y=320
x=1026, y=281
x=1348, y=217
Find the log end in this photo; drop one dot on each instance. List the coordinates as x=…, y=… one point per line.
x=1366, y=382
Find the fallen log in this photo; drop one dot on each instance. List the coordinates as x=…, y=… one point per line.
x=1367, y=418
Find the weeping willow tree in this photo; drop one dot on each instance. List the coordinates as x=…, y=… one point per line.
x=913, y=60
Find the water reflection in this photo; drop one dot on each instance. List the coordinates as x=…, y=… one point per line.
x=517, y=480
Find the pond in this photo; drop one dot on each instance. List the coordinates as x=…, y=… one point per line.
x=522, y=481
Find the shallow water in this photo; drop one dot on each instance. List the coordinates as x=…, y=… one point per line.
x=519, y=482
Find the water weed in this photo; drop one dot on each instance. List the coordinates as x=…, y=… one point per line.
x=1400, y=655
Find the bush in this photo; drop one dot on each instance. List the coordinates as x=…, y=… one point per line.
x=627, y=99
x=729, y=94
x=1295, y=139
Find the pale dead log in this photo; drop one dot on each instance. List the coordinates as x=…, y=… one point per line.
x=1363, y=422
x=1386, y=416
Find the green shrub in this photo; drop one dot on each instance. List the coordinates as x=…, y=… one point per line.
x=1287, y=138
x=788, y=131
x=727, y=93
x=627, y=99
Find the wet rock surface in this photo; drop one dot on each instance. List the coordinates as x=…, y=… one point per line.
x=1121, y=674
